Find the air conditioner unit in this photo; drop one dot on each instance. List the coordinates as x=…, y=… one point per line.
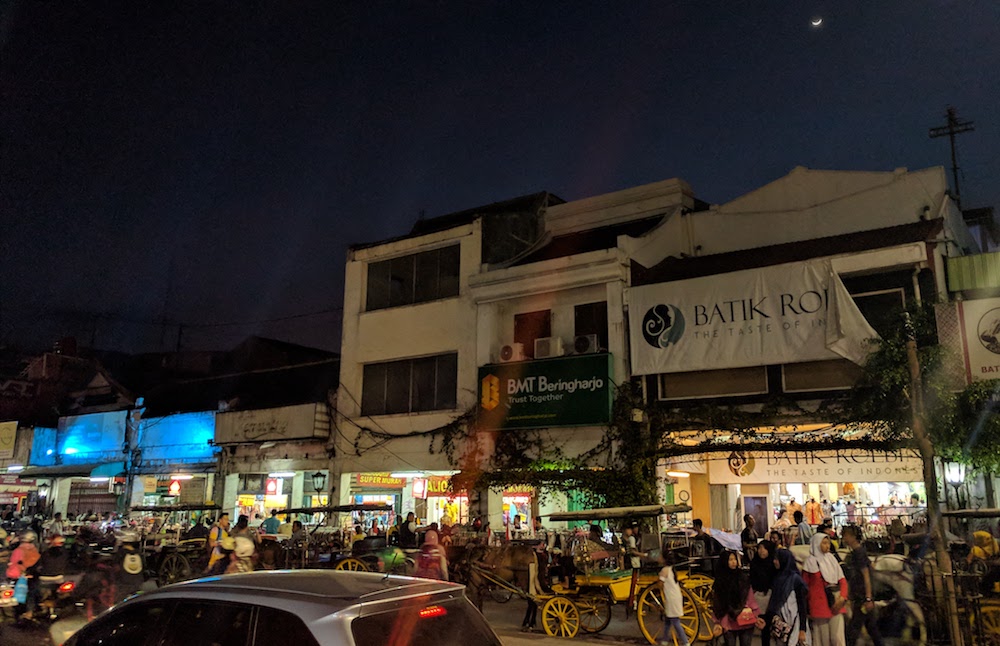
x=512, y=352
x=548, y=346
x=586, y=344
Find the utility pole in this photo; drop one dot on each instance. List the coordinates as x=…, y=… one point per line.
x=954, y=127
x=926, y=448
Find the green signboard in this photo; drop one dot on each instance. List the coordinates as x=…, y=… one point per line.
x=566, y=391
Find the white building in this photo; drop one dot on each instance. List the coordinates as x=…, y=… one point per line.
x=430, y=318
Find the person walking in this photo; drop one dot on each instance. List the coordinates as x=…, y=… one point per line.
x=859, y=587
x=827, y=593
x=805, y=532
x=789, y=604
x=242, y=556
x=762, y=573
x=219, y=531
x=432, y=562
x=749, y=537
x=735, y=609
x=673, y=602
x=408, y=532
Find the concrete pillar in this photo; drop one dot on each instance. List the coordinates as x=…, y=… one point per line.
x=229, y=492
x=138, y=491
x=297, y=489
x=60, y=496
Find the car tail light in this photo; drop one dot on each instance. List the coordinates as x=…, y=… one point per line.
x=432, y=611
x=6, y=594
x=67, y=587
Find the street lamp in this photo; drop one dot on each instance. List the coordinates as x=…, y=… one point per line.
x=954, y=474
x=319, y=481
x=43, y=490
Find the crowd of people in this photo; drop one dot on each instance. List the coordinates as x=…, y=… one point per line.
x=790, y=605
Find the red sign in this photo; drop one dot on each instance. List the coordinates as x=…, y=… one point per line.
x=380, y=480
x=271, y=487
x=420, y=488
x=175, y=488
x=9, y=479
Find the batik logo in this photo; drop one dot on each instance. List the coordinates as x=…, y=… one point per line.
x=663, y=326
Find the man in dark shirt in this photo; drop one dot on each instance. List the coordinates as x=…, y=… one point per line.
x=859, y=589
x=749, y=537
x=703, y=546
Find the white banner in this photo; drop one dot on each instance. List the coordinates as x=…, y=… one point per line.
x=980, y=324
x=772, y=467
x=773, y=315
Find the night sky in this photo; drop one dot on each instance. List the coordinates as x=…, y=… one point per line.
x=212, y=160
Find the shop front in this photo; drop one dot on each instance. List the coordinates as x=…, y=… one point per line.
x=517, y=510
x=871, y=488
x=380, y=489
x=442, y=505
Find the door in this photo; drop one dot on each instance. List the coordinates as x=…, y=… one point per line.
x=756, y=506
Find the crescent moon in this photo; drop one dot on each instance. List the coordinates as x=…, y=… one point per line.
x=816, y=22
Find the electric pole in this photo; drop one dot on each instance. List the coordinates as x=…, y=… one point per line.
x=953, y=128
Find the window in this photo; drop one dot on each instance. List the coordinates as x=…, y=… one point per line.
x=410, y=386
x=279, y=627
x=137, y=624
x=423, y=621
x=714, y=383
x=209, y=622
x=530, y=326
x=416, y=278
x=882, y=309
x=592, y=318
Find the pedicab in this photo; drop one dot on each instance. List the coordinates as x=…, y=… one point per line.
x=371, y=554
x=168, y=555
x=601, y=581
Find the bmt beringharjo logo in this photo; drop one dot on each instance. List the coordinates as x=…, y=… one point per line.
x=662, y=326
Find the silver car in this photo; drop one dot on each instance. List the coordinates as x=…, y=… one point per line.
x=300, y=607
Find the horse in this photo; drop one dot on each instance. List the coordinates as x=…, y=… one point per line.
x=514, y=563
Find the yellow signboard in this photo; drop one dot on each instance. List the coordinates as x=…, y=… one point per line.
x=8, y=434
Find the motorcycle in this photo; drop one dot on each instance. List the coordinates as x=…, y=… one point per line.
x=57, y=596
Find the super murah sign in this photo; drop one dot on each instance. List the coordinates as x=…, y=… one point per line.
x=568, y=391
x=782, y=314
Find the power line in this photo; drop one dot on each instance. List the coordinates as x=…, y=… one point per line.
x=952, y=128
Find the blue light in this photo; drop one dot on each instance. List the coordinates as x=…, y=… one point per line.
x=49, y=452
x=69, y=450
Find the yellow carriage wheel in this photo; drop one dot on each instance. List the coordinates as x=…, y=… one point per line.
x=990, y=622
x=699, y=586
x=595, y=612
x=560, y=617
x=652, y=618
x=351, y=564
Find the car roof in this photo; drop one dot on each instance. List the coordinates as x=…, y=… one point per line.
x=331, y=589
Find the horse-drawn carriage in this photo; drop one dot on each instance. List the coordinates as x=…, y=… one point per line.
x=167, y=553
x=583, y=601
x=326, y=548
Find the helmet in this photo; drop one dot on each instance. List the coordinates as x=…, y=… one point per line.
x=227, y=544
x=57, y=541
x=244, y=547
x=29, y=536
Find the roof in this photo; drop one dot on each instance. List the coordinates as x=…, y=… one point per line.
x=674, y=268
x=267, y=388
x=333, y=589
x=590, y=240
x=530, y=202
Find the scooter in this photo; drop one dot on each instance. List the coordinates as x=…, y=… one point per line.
x=57, y=596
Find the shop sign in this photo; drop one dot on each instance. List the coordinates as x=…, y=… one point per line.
x=775, y=467
x=8, y=434
x=149, y=484
x=566, y=391
x=420, y=488
x=10, y=498
x=246, y=500
x=518, y=489
x=782, y=314
x=270, y=424
x=14, y=481
x=979, y=321
x=380, y=481
x=438, y=486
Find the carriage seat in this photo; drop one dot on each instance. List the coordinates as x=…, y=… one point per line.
x=600, y=555
x=615, y=574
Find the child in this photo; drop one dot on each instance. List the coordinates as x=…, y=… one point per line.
x=673, y=601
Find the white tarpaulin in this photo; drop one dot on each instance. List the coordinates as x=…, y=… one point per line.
x=773, y=315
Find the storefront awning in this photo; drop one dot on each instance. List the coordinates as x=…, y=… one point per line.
x=58, y=471
x=167, y=469
x=109, y=470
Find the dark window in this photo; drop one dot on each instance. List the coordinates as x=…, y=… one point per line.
x=452, y=622
x=209, y=622
x=530, y=326
x=883, y=310
x=137, y=624
x=416, y=278
x=410, y=385
x=279, y=627
x=592, y=318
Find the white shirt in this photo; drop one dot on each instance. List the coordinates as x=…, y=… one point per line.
x=673, y=599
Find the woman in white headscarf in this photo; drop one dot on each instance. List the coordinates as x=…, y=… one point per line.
x=827, y=593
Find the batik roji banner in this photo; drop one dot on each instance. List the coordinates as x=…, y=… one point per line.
x=980, y=325
x=770, y=467
x=781, y=314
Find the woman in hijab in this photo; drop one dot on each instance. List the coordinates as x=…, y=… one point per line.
x=761, y=577
x=827, y=593
x=733, y=603
x=789, y=605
